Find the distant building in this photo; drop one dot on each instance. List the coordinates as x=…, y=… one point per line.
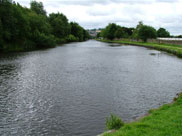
x=174, y=41
x=170, y=39
x=98, y=31
x=94, y=32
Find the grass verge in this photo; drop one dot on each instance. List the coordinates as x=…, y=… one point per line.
x=165, y=121
x=173, y=49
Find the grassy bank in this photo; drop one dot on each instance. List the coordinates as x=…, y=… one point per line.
x=165, y=121
x=173, y=49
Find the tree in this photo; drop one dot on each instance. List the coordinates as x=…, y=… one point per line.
x=7, y=19
x=145, y=32
x=109, y=31
x=40, y=31
x=98, y=35
x=179, y=36
x=135, y=34
x=127, y=31
x=115, y=31
x=60, y=25
x=20, y=30
x=39, y=22
x=86, y=35
x=13, y=22
x=77, y=31
x=37, y=7
x=162, y=32
x=120, y=33
x=30, y=28
x=71, y=38
x=1, y=38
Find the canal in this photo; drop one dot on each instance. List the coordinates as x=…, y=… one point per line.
x=71, y=89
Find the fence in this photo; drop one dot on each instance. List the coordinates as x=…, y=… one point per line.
x=175, y=41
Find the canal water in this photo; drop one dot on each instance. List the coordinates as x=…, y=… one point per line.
x=71, y=89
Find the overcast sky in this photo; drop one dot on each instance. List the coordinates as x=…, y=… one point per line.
x=98, y=13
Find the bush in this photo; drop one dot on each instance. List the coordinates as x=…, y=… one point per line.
x=28, y=45
x=178, y=99
x=43, y=41
x=114, y=122
x=71, y=38
x=50, y=40
x=60, y=40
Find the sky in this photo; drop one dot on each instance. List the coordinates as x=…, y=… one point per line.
x=98, y=13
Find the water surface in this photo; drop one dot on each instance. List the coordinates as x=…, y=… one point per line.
x=71, y=89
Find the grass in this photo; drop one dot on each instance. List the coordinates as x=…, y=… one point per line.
x=173, y=49
x=165, y=121
x=114, y=122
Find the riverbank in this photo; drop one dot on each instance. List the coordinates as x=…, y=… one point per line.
x=10, y=48
x=173, y=49
x=167, y=120
x=17, y=48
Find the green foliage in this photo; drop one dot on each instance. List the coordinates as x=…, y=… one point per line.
x=135, y=34
x=61, y=40
x=179, y=36
x=120, y=33
x=37, y=7
x=178, y=99
x=98, y=35
x=42, y=40
x=115, y=31
x=142, y=32
x=13, y=22
x=60, y=25
x=38, y=22
x=86, y=35
x=77, y=31
x=145, y=32
x=109, y=31
x=114, y=122
x=30, y=28
x=162, y=32
x=71, y=38
x=1, y=41
x=127, y=32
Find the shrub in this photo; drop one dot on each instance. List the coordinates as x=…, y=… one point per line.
x=71, y=38
x=114, y=122
x=28, y=45
x=60, y=40
x=42, y=40
x=178, y=99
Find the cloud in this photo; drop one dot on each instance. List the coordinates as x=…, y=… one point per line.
x=98, y=13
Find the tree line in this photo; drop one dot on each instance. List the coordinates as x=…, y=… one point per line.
x=143, y=32
x=24, y=28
